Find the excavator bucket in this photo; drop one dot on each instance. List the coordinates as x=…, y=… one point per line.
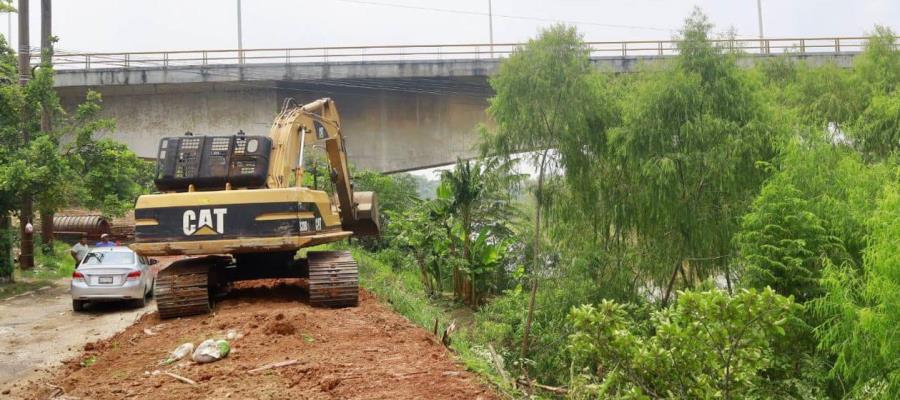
x=367, y=219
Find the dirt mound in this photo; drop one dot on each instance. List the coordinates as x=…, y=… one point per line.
x=280, y=328
x=366, y=352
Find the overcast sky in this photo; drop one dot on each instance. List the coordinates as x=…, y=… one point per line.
x=136, y=25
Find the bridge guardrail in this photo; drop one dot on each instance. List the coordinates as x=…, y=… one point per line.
x=125, y=60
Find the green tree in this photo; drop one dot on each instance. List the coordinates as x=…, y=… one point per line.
x=690, y=143
x=540, y=99
x=862, y=311
x=879, y=65
x=11, y=102
x=473, y=194
x=877, y=130
x=837, y=185
x=708, y=345
x=64, y=166
x=784, y=244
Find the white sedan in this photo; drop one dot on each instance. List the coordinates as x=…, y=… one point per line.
x=112, y=274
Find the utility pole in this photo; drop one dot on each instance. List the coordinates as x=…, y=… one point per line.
x=491, y=25
x=240, y=35
x=26, y=257
x=46, y=32
x=46, y=113
x=759, y=14
x=762, y=43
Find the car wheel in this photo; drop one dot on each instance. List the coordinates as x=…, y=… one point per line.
x=77, y=305
x=139, y=303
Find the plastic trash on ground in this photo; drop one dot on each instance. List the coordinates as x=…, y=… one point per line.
x=211, y=350
x=179, y=353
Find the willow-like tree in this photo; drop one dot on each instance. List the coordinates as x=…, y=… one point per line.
x=692, y=137
x=541, y=99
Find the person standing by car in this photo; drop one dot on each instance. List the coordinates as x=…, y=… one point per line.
x=79, y=250
x=104, y=241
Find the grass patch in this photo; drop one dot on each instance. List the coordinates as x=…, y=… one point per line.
x=53, y=265
x=403, y=290
x=20, y=286
x=50, y=267
x=87, y=362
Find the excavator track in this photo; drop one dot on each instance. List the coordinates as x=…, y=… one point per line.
x=183, y=288
x=333, y=279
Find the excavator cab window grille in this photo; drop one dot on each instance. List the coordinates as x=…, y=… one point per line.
x=187, y=165
x=218, y=151
x=240, y=145
x=246, y=167
x=188, y=158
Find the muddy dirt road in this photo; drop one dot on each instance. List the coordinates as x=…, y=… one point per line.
x=366, y=352
x=40, y=330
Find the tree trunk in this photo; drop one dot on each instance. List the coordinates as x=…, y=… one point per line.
x=539, y=195
x=534, y=285
x=467, y=256
x=426, y=279
x=671, y=284
x=539, y=204
x=47, y=231
x=6, y=259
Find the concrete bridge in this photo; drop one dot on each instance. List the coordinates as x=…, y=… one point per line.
x=403, y=107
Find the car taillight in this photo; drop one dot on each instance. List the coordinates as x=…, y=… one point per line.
x=77, y=276
x=133, y=275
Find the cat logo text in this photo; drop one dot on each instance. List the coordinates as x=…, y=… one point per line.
x=204, y=221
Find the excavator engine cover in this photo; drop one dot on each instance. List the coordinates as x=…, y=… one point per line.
x=209, y=162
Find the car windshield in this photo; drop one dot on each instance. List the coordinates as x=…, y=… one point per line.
x=109, y=258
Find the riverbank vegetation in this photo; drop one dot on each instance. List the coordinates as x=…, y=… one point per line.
x=698, y=229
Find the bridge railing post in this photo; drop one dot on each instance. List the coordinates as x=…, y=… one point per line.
x=205, y=57
x=624, y=49
x=802, y=46
x=127, y=60
x=166, y=60
x=87, y=61
x=837, y=45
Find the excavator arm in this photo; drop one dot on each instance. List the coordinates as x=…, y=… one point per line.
x=299, y=126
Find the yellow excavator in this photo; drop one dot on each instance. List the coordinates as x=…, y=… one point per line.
x=237, y=205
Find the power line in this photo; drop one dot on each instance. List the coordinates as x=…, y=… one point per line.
x=508, y=16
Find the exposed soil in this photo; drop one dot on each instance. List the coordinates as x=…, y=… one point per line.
x=366, y=352
x=39, y=330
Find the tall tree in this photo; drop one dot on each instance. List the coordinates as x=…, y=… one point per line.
x=79, y=171
x=541, y=97
x=692, y=137
x=862, y=311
